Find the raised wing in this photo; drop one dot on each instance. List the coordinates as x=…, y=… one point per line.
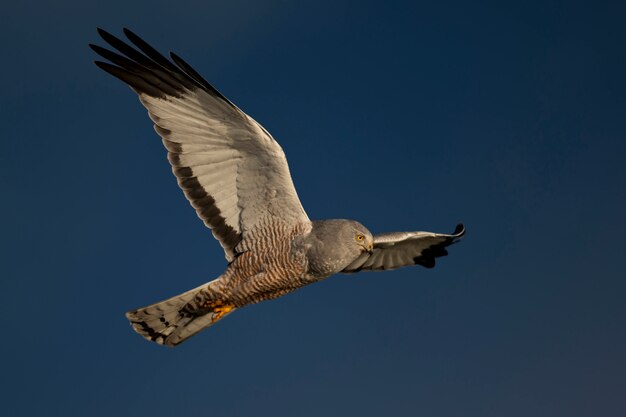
x=230, y=168
x=394, y=250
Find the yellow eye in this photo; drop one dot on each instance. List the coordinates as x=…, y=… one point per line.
x=360, y=238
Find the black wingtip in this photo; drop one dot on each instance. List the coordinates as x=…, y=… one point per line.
x=132, y=36
x=148, y=71
x=103, y=52
x=425, y=261
x=459, y=230
x=102, y=65
x=104, y=34
x=194, y=75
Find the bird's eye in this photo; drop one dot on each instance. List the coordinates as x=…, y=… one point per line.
x=360, y=238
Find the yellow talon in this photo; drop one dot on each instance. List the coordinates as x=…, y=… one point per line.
x=219, y=309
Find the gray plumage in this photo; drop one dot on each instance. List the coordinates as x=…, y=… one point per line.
x=236, y=177
x=331, y=246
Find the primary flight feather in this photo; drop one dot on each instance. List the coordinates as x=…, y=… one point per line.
x=236, y=177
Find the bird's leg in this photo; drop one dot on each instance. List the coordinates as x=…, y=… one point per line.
x=219, y=308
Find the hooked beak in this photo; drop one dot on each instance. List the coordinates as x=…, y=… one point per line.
x=370, y=248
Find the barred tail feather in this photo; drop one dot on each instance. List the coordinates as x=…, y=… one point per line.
x=174, y=320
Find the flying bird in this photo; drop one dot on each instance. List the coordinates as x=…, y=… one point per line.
x=235, y=175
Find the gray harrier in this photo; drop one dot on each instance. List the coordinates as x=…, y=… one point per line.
x=235, y=175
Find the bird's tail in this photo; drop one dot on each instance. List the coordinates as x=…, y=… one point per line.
x=173, y=321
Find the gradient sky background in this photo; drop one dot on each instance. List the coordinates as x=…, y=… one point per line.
x=404, y=116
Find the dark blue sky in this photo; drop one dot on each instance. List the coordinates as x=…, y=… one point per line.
x=508, y=117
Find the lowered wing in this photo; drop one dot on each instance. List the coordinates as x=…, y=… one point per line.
x=395, y=250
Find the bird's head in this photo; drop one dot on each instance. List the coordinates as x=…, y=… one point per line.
x=334, y=244
x=363, y=238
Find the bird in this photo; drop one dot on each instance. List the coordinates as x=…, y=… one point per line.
x=236, y=177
